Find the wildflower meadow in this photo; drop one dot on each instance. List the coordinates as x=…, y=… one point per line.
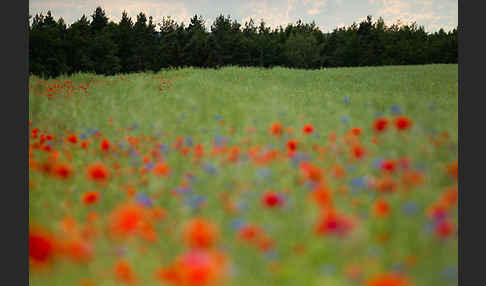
x=245, y=176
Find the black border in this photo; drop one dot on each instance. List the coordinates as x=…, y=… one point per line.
x=471, y=70
x=471, y=156
x=15, y=203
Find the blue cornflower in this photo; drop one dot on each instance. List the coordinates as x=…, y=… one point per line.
x=210, y=168
x=149, y=165
x=195, y=200
x=449, y=272
x=144, y=200
x=346, y=100
x=262, y=173
x=237, y=223
x=377, y=163
x=164, y=148
x=189, y=141
x=183, y=190
x=218, y=140
x=396, y=110
x=410, y=208
x=295, y=160
x=344, y=119
x=351, y=168
x=271, y=254
x=358, y=183
x=190, y=178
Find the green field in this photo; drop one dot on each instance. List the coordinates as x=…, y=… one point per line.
x=169, y=117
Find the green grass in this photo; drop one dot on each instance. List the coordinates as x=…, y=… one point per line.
x=251, y=97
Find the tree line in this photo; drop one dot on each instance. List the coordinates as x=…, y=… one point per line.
x=105, y=47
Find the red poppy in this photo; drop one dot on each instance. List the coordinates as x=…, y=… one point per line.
x=276, y=128
x=412, y=178
x=250, y=232
x=386, y=184
x=322, y=196
x=78, y=250
x=105, y=145
x=98, y=172
x=450, y=196
x=272, y=199
x=84, y=144
x=452, y=170
x=200, y=233
x=124, y=271
x=195, y=267
x=90, y=197
x=73, y=138
x=380, y=124
x=292, y=145
x=161, y=169
x=126, y=220
x=444, y=228
x=388, y=280
x=356, y=131
x=332, y=223
x=381, y=208
x=311, y=172
x=403, y=123
x=437, y=211
x=62, y=170
x=42, y=247
x=307, y=129
x=357, y=151
x=389, y=165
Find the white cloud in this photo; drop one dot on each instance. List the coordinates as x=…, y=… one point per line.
x=317, y=5
x=72, y=10
x=427, y=13
x=272, y=16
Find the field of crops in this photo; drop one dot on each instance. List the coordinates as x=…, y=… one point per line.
x=245, y=176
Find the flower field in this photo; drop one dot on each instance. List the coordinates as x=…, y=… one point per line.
x=245, y=176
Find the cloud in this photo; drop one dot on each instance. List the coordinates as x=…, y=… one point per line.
x=428, y=13
x=71, y=11
x=317, y=5
x=273, y=16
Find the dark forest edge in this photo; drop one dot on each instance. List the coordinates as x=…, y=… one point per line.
x=104, y=47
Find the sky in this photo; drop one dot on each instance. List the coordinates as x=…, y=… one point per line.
x=327, y=14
